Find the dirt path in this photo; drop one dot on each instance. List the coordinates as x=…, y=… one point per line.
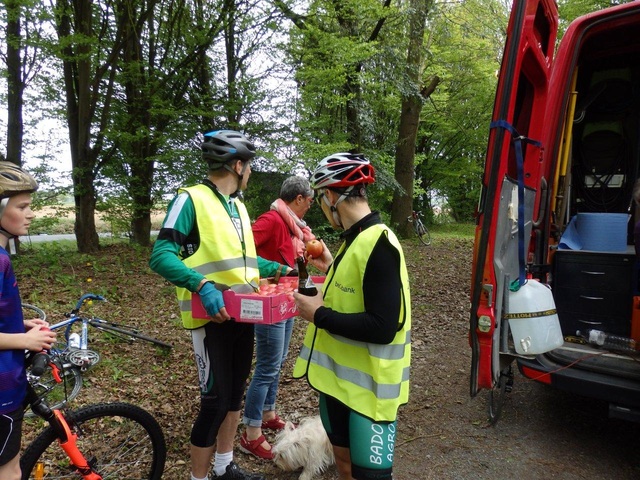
x=443, y=433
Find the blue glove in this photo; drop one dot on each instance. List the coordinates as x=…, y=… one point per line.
x=211, y=298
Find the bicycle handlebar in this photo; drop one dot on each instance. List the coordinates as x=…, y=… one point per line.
x=84, y=298
x=39, y=362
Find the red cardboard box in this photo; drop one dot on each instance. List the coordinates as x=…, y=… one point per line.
x=270, y=305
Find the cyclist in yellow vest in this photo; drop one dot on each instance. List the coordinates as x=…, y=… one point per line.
x=356, y=352
x=206, y=245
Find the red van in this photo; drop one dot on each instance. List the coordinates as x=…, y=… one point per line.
x=555, y=276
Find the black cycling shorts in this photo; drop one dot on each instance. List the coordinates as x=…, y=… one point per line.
x=10, y=435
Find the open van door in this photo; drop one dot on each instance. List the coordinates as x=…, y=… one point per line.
x=514, y=190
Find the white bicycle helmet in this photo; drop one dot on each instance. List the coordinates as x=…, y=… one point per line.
x=343, y=170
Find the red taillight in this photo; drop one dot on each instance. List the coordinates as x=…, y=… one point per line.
x=536, y=375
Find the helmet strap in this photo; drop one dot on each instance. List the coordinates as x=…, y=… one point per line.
x=3, y=205
x=3, y=232
x=240, y=177
x=334, y=209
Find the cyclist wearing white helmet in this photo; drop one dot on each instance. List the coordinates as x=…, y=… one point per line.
x=206, y=245
x=16, y=333
x=357, y=349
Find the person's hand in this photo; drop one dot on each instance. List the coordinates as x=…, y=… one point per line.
x=35, y=322
x=292, y=273
x=39, y=338
x=307, y=306
x=213, y=302
x=322, y=262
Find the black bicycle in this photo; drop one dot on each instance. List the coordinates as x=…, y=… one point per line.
x=71, y=352
x=422, y=232
x=103, y=441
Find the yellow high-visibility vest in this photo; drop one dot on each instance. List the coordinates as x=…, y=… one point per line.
x=369, y=378
x=221, y=255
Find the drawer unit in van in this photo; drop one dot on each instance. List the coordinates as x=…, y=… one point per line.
x=593, y=290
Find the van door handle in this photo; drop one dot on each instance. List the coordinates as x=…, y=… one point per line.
x=589, y=272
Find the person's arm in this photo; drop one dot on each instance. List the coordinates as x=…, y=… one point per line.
x=272, y=239
x=165, y=257
x=268, y=237
x=35, y=339
x=270, y=269
x=382, y=300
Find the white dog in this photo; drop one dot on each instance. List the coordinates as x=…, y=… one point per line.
x=305, y=446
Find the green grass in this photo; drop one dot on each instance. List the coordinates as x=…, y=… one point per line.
x=457, y=230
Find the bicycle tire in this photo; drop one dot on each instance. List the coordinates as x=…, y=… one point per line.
x=58, y=394
x=423, y=233
x=121, y=442
x=118, y=330
x=41, y=313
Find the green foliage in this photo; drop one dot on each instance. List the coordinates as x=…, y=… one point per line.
x=335, y=83
x=569, y=10
x=452, y=137
x=117, y=211
x=50, y=224
x=263, y=189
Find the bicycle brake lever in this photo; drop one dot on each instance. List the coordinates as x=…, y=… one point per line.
x=55, y=372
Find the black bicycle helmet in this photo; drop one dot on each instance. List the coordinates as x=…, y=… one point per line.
x=14, y=180
x=343, y=170
x=221, y=146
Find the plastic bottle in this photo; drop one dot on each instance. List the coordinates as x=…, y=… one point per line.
x=305, y=283
x=609, y=341
x=74, y=340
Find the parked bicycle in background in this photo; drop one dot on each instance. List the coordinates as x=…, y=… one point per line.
x=421, y=230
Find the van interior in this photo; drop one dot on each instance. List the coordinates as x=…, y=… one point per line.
x=594, y=271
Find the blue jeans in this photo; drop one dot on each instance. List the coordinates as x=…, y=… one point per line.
x=272, y=346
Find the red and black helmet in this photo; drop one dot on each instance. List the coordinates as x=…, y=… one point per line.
x=343, y=170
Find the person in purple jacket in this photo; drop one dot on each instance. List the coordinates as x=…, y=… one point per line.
x=16, y=333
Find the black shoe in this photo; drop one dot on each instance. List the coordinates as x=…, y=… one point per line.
x=234, y=472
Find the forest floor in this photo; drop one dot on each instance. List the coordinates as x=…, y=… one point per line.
x=442, y=432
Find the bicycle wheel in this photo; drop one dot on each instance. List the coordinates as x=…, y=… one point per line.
x=58, y=394
x=28, y=311
x=423, y=233
x=124, y=332
x=120, y=441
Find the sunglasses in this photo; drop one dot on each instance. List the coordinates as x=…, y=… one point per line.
x=319, y=199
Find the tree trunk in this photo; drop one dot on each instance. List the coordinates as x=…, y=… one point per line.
x=138, y=148
x=77, y=80
x=15, y=83
x=140, y=188
x=409, y=120
x=352, y=93
x=85, y=222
